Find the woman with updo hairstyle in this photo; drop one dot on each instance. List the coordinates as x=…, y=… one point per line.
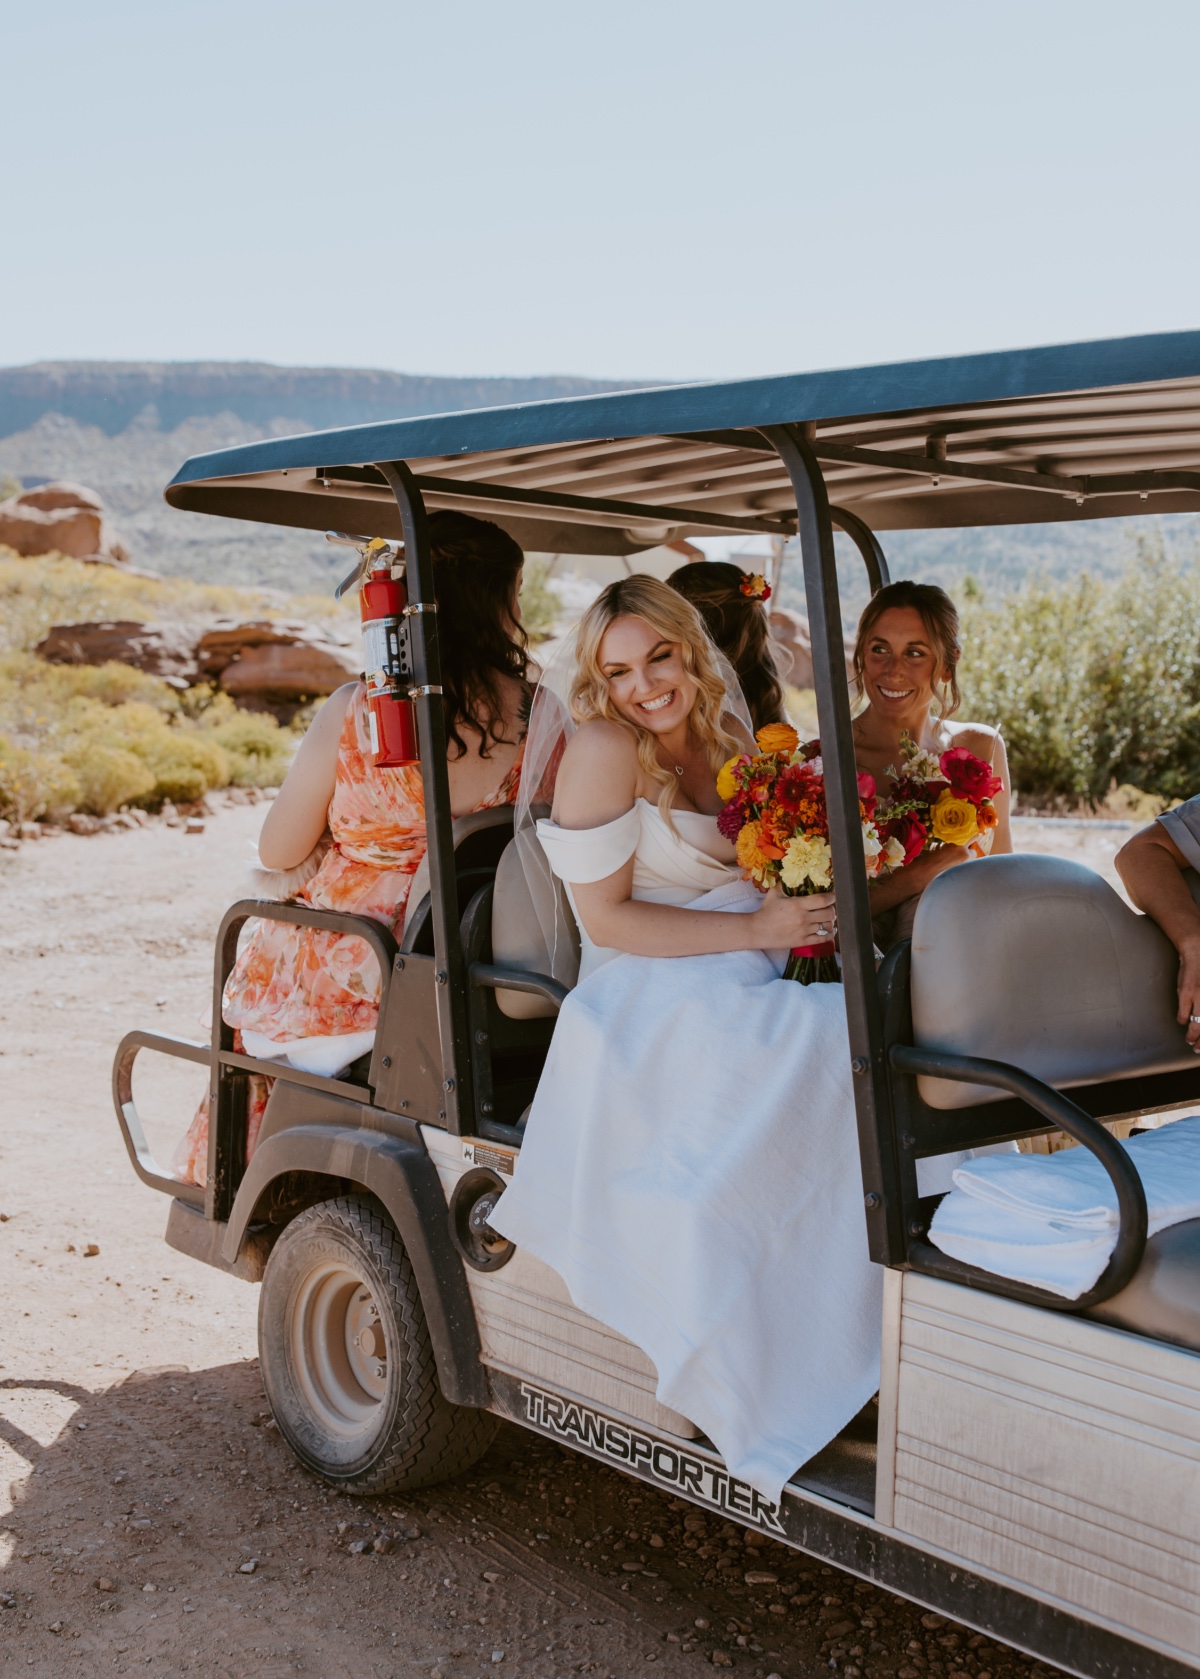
x=906, y=657
x=732, y=604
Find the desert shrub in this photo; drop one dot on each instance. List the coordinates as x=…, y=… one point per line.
x=540, y=606
x=34, y=784
x=1095, y=684
x=94, y=739
x=108, y=776
x=257, y=749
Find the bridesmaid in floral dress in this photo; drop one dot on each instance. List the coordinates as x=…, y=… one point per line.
x=349, y=837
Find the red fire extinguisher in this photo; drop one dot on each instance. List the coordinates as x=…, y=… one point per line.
x=387, y=661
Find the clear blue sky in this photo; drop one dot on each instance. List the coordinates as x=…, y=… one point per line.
x=642, y=188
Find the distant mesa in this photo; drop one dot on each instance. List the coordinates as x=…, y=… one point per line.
x=116, y=395
x=60, y=518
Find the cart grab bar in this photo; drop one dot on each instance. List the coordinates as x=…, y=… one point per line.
x=141, y=1157
x=1060, y=1111
x=495, y=977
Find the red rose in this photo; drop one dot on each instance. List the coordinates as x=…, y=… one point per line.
x=912, y=835
x=969, y=777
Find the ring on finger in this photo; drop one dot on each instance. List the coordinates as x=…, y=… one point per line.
x=1194, y=1019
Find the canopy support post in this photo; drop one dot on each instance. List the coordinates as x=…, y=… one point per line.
x=451, y=975
x=867, y=543
x=864, y=1015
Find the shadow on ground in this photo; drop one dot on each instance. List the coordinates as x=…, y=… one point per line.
x=166, y=1529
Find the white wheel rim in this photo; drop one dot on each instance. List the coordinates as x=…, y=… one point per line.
x=339, y=1351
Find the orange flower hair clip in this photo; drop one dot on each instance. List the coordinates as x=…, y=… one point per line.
x=755, y=586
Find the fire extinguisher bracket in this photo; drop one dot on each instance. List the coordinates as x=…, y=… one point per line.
x=411, y=610
x=428, y=688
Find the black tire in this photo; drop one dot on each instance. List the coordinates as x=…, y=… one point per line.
x=368, y=1422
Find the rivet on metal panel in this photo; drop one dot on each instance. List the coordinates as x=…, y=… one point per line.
x=481, y=1037
x=441, y=978
x=871, y=1200
x=908, y=1140
x=387, y=1060
x=404, y=1101
x=399, y=963
x=447, y=1084
x=916, y=1228
x=485, y=1107
x=859, y=1064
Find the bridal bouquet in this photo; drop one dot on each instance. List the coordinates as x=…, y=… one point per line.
x=775, y=814
x=938, y=801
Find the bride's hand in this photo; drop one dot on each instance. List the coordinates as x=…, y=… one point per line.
x=781, y=923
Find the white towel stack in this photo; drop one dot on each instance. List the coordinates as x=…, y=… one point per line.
x=1051, y=1220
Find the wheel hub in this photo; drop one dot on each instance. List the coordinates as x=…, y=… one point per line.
x=339, y=1349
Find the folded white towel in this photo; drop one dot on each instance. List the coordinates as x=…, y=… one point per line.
x=324, y=1056
x=1051, y=1220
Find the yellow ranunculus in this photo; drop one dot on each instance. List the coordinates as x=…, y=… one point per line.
x=726, y=785
x=954, y=820
x=807, y=861
x=777, y=737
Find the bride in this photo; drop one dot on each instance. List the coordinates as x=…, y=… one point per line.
x=690, y=1164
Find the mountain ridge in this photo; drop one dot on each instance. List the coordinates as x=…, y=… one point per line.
x=113, y=395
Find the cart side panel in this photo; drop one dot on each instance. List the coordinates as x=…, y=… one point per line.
x=529, y=1326
x=1056, y=1452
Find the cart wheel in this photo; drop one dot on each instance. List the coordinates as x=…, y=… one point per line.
x=346, y=1359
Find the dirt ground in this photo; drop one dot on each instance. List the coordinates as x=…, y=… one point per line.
x=151, y=1520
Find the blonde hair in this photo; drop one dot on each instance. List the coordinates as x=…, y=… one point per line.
x=674, y=619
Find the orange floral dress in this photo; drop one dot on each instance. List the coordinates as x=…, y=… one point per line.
x=297, y=982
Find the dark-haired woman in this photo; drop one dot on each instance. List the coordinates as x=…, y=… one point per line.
x=905, y=667
x=314, y=996
x=732, y=604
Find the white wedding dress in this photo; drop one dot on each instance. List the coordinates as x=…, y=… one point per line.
x=690, y=1165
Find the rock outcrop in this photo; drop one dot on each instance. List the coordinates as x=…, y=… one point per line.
x=60, y=518
x=166, y=650
x=275, y=662
x=266, y=665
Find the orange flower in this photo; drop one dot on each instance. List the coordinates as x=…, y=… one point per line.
x=777, y=737
x=749, y=856
x=987, y=816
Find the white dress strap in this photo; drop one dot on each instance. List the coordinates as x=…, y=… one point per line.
x=582, y=855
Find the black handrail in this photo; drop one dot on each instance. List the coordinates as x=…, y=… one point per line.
x=138, y=1149
x=1059, y=1111
x=494, y=976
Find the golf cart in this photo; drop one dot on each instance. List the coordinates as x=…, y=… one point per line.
x=1037, y=1467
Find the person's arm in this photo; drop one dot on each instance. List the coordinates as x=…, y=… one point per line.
x=910, y=882
x=597, y=783
x=299, y=814
x=1151, y=866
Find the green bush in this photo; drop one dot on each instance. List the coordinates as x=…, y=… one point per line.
x=96, y=738
x=1094, y=684
x=540, y=606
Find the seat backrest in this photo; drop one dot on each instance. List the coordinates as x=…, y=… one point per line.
x=533, y=928
x=1036, y=961
x=463, y=832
